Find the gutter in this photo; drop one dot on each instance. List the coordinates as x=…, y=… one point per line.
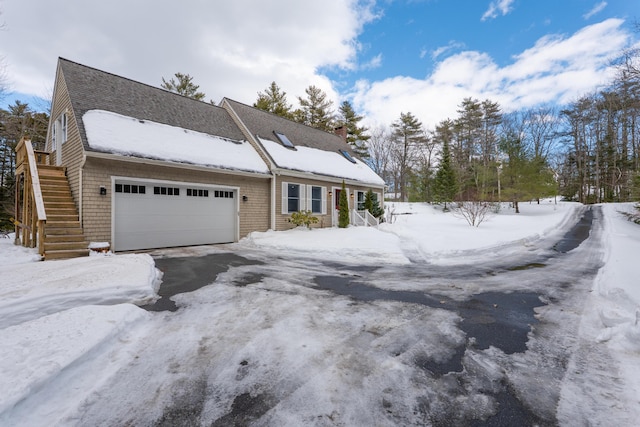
x=165, y=163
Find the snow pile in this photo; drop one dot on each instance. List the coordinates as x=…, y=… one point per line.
x=36, y=355
x=47, y=287
x=50, y=325
x=424, y=232
x=128, y=136
x=357, y=244
x=321, y=162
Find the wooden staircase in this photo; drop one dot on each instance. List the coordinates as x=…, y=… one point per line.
x=64, y=237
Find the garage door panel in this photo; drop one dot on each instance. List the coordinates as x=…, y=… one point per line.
x=151, y=220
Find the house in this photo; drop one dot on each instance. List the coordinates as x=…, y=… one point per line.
x=148, y=168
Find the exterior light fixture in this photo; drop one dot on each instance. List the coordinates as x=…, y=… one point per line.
x=245, y=198
x=103, y=190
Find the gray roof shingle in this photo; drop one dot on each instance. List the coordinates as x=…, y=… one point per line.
x=263, y=124
x=92, y=89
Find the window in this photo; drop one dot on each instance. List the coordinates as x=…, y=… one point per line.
x=360, y=195
x=166, y=191
x=293, y=198
x=197, y=192
x=54, y=139
x=347, y=156
x=284, y=140
x=63, y=128
x=131, y=189
x=223, y=194
x=316, y=199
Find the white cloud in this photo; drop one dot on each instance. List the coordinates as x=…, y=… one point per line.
x=374, y=62
x=452, y=45
x=595, y=10
x=234, y=48
x=496, y=7
x=556, y=69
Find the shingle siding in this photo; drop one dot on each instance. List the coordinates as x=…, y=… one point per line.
x=96, y=209
x=282, y=220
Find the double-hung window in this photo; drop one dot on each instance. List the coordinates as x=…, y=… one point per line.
x=299, y=197
x=360, y=196
x=292, y=197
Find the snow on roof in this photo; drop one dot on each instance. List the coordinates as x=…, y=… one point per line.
x=128, y=136
x=321, y=162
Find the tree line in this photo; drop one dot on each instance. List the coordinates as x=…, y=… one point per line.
x=589, y=151
x=16, y=122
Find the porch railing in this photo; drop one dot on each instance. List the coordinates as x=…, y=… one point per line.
x=363, y=218
x=31, y=217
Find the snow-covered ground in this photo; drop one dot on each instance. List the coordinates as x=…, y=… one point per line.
x=67, y=327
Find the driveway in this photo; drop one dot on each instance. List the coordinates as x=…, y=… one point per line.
x=247, y=337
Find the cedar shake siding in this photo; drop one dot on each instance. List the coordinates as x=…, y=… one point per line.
x=96, y=209
x=324, y=220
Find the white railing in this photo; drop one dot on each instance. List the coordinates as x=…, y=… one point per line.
x=357, y=219
x=371, y=220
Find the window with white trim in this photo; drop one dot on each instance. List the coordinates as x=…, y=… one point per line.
x=54, y=139
x=317, y=201
x=293, y=197
x=360, y=196
x=63, y=128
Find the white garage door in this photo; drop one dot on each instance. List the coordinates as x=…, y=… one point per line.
x=161, y=215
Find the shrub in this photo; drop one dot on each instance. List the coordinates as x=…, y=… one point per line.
x=303, y=218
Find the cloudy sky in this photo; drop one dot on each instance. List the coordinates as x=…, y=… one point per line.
x=385, y=56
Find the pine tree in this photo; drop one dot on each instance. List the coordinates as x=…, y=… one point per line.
x=315, y=110
x=445, y=185
x=183, y=85
x=343, y=213
x=372, y=205
x=356, y=135
x=407, y=133
x=274, y=100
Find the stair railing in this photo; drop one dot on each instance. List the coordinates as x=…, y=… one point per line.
x=30, y=212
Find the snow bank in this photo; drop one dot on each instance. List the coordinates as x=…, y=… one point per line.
x=47, y=287
x=424, y=231
x=11, y=254
x=34, y=353
x=356, y=244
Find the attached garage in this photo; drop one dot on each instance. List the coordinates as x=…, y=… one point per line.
x=159, y=214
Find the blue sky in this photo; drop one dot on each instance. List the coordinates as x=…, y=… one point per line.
x=386, y=57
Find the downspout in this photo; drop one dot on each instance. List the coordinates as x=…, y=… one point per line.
x=273, y=200
x=81, y=189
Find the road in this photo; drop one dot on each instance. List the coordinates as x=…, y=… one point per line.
x=283, y=341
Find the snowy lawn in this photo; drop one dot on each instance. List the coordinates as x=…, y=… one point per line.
x=59, y=319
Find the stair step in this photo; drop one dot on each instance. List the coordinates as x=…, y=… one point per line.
x=57, y=210
x=51, y=168
x=59, y=246
x=52, y=177
x=63, y=224
x=65, y=254
x=63, y=231
x=59, y=238
x=53, y=219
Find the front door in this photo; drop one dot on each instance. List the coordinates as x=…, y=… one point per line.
x=336, y=204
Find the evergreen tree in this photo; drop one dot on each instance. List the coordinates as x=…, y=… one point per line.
x=356, y=135
x=315, y=110
x=343, y=213
x=407, y=133
x=372, y=205
x=183, y=85
x=446, y=184
x=274, y=100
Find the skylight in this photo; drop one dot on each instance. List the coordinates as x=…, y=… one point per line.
x=348, y=156
x=284, y=140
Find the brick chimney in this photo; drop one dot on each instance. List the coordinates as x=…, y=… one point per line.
x=341, y=132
